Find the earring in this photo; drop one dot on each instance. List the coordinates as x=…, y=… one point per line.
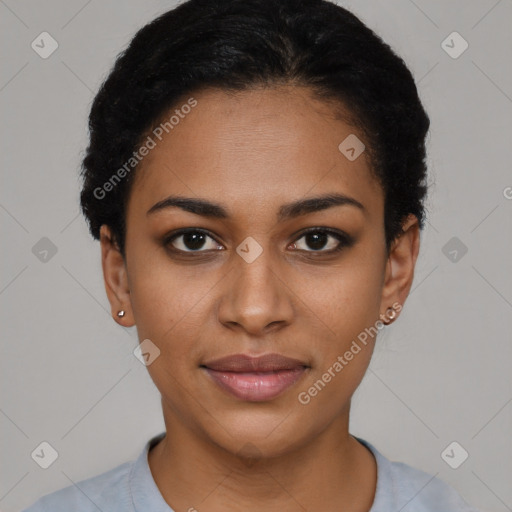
x=390, y=314
x=120, y=314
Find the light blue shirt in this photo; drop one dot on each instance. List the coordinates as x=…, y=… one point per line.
x=130, y=488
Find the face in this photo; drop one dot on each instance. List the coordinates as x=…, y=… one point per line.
x=271, y=266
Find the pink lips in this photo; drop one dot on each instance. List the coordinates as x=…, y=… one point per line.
x=255, y=379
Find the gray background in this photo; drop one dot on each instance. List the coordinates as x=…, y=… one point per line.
x=439, y=374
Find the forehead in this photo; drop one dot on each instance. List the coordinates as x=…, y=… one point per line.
x=252, y=148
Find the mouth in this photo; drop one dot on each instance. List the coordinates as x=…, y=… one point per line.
x=255, y=379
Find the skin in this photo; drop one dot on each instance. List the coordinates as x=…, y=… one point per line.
x=254, y=151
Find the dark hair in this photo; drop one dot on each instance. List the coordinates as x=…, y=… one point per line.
x=241, y=44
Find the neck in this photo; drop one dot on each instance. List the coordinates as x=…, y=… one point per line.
x=333, y=471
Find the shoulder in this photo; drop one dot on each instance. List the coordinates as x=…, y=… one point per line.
x=106, y=491
x=425, y=492
x=403, y=487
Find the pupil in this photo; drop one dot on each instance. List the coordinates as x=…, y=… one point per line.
x=193, y=240
x=316, y=240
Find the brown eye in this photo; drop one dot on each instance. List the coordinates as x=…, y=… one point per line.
x=191, y=240
x=322, y=240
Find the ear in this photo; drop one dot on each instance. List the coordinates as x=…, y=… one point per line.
x=400, y=269
x=115, y=278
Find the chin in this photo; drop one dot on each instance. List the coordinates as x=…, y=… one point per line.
x=257, y=433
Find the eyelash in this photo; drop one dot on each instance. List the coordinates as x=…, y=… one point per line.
x=343, y=239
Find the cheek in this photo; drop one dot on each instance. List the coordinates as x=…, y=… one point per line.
x=348, y=300
x=167, y=298
x=345, y=314
x=169, y=309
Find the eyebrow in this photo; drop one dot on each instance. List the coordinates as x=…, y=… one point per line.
x=210, y=209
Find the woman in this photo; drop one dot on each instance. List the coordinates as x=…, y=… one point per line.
x=256, y=178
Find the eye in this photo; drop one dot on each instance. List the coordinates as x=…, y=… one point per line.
x=191, y=240
x=323, y=240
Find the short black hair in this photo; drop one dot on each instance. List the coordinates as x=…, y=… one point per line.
x=236, y=45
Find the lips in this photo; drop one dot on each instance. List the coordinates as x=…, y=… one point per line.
x=255, y=378
x=245, y=363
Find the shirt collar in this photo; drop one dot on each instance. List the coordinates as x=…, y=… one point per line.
x=144, y=491
x=147, y=496
x=385, y=498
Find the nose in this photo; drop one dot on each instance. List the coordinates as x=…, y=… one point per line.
x=256, y=297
